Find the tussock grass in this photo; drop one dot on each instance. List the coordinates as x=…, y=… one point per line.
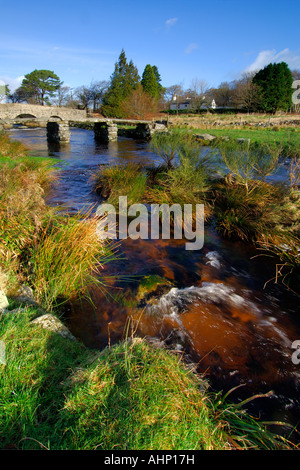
x=121, y=180
x=67, y=259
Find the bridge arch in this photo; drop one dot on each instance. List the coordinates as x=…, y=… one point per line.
x=54, y=119
x=25, y=116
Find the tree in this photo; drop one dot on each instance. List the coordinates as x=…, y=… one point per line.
x=223, y=94
x=139, y=105
x=275, y=82
x=124, y=80
x=18, y=96
x=197, y=92
x=83, y=95
x=296, y=74
x=97, y=92
x=173, y=92
x=40, y=85
x=62, y=96
x=149, y=82
x=247, y=94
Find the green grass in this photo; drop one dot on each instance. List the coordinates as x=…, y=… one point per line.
x=121, y=180
x=287, y=138
x=56, y=394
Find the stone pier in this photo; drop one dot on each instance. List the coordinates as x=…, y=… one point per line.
x=106, y=131
x=144, y=131
x=58, y=132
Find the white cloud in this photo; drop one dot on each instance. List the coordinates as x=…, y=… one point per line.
x=13, y=83
x=171, y=22
x=191, y=47
x=272, y=56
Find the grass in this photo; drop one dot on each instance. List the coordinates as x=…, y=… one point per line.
x=56, y=394
x=68, y=259
x=286, y=138
x=240, y=200
x=121, y=180
x=58, y=256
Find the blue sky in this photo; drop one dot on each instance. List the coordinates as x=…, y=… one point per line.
x=80, y=41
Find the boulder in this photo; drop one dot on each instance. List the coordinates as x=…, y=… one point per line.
x=51, y=323
x=208, y=137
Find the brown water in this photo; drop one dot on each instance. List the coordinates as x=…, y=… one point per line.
x=218, y=309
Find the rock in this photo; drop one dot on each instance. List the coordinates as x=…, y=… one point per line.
x=242, y=141
x=3, y=301
x=51, y=323
x=25, y=295
x=206, y=137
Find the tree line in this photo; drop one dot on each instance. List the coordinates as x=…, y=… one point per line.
x=267, y=90
x=127, y=94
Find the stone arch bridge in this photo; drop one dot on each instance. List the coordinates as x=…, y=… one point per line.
x=58, y=121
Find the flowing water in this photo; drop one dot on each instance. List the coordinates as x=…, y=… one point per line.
x=220, y=306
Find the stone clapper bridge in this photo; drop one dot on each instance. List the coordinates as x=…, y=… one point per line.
x=58, y=120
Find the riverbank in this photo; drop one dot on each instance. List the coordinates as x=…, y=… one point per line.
x=58, y=394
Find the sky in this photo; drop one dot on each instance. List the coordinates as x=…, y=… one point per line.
x=212, y=40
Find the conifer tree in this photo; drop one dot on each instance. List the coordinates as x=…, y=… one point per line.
x=149, y=82
x=275, y=82
x=124, y=80
x=40, y=85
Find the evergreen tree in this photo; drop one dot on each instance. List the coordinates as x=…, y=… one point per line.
x=40, y=85
x=149, y=82
x=124, y=80
x=161, y=89
x=275, y=82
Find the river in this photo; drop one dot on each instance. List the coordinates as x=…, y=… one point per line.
x=219, y=309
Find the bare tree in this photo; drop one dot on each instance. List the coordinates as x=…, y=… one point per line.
x=83, y=95
x=97, y=91
x=173, y=92
x=223, y=94
x=246, y=93
x=198, y=92
x=62, y=96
